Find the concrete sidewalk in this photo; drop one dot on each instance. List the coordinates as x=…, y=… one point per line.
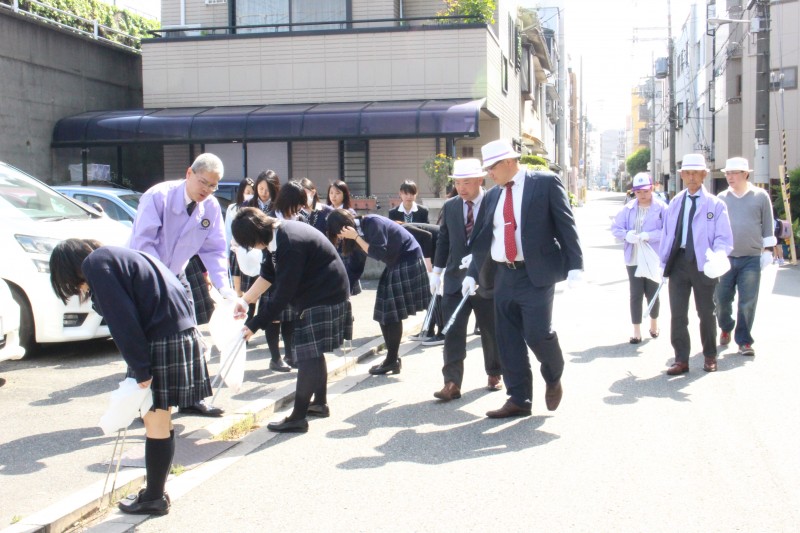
x=258, y=400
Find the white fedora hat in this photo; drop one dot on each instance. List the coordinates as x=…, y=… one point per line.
x=467, y=168
x=737, y=164
x=497, y=151
x=694, y=162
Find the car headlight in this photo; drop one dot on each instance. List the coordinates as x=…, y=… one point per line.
x=38, y=245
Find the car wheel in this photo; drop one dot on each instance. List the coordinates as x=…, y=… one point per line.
x=27, y=339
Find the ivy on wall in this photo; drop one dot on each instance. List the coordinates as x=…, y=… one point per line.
x=134, y=26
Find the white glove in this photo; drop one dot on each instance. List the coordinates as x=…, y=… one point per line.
x=717, y=264
x=240, y=308
x=249, y=261
x=228, y=293
x=574, y=279
x=644, y=236
x=466, y=261
x=434, y=279
x=468, y=286
x=766, y=259
x=631, y=237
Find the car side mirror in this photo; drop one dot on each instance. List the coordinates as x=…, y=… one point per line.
x=98, y=207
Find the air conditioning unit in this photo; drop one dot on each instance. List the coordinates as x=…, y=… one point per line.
x=734, y=50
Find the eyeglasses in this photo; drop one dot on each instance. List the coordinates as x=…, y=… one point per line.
x=491, y=167
x=207, y=185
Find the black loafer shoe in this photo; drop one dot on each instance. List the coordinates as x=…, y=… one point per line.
x=277, y=365
x=387, y=368
x=132, y=505
x=203, y=409
x=289, y=426
x=322, y=411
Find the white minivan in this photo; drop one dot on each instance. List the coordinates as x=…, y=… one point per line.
x=33, y=219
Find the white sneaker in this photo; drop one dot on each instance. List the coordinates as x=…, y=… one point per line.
x=781, y=262
x=418, y=337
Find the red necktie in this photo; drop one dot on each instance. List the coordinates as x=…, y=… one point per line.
x=510, y=225
x=470, y=219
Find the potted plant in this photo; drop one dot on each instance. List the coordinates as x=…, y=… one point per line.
x=438, y=168
x=364, y=203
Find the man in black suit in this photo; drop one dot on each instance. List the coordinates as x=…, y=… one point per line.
x=408, y=210
x=531, y=237
x=461, y=215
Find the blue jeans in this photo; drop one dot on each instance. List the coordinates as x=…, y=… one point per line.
x=744, y=275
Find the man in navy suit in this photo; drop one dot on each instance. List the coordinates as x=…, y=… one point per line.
x=461, y=215
x=531, y=237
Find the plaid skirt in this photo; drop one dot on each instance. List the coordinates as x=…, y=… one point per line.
x=322, y=328
x=403, y=290
x=201, y=298
x=233, y=265
x=180, y=374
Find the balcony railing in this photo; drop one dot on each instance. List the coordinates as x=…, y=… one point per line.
x=335, y=26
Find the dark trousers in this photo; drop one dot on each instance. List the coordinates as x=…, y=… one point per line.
x=684, y=279
x=455, y=341
x=641, y=287
x=523, y=319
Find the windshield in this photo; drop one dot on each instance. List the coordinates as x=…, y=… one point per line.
x=131, y=199
x=22, y=196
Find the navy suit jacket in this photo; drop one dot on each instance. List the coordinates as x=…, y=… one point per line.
x=550, y=243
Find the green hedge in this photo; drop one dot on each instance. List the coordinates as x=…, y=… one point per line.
x=106, y=15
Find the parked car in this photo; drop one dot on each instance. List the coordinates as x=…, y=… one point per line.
x=34, y=219
x=119, y=204
x=226, y=193
x=9, y=325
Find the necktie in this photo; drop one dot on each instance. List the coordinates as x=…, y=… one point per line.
x=689, y=236
x=470, y=219
x=408, y=217
x=509, y=225
x=190, y=207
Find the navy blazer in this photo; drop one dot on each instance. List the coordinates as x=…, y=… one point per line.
x=550, y=243
x=420, y=215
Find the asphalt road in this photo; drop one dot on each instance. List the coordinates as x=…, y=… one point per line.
x=629, y=448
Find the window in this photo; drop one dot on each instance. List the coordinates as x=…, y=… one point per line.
x=467, y=151
x=504, y=73
x=785, y=78
x=353, y=158
x=259, y=12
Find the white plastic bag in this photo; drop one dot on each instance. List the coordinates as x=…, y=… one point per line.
x=717, y=264
x=249, y=261
x=125, y=404
x=226, y=332
x=648, y=263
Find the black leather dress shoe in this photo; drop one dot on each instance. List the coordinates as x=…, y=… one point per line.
x=509, y=409
x=277, y=365
x=289, y=426
x=321, y=411
x=133, y=505
x=387, y=368
x=203, y=409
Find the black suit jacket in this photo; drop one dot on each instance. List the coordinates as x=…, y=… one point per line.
x=453, y=246
x=550, y=243
x=420, y=215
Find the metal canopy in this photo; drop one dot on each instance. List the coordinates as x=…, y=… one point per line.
x=283, y=122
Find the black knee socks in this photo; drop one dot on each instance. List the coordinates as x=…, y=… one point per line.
x=321, y=392
x=392, y=334
x=272, y=333
x=158, y=461
x=312, y=379
x=287, y=331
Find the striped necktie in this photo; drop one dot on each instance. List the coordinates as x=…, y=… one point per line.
x=470, y=220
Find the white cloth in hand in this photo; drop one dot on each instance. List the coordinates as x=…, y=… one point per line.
x=631, y=237
x=466, y=261
x=468, y=286
x=766, y=259
x=574, y=278
x=644, y=236
x=717, y=264
x=434, y=279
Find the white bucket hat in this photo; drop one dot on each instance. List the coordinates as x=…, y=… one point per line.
x=737, y=164
x=497, y=151
x=694, y=162
x=641, y=180
x=467, y=168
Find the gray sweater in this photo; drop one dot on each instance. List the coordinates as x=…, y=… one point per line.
x=751, y=220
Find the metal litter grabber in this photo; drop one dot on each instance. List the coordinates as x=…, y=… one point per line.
x=455, y=313
x=655, y=297
x=121, y=434
x=226, y=367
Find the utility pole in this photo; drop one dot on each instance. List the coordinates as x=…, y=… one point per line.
x=761, y=159
x=673, y=173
